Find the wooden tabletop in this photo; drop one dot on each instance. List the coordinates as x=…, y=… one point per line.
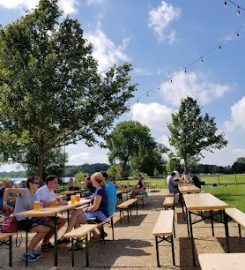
x=70, y=192
x=125, y=190
x=203, y=201
x=189, y=189
x=222, y=261
x=51, y=211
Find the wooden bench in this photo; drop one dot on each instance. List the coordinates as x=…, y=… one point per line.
x=168, y=195
x=81, y=233
x=6, y=239
x=126, y=206
x=142, y=197
x=163, y=231
x=168, y=203
x=239, y=217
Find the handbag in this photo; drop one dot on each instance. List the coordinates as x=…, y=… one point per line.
x=9, y=225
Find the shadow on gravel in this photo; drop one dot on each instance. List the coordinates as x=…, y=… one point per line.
x=186, y=254
x=134, y=220
x=237, y=244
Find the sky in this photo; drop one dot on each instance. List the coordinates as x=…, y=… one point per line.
x=177, y=49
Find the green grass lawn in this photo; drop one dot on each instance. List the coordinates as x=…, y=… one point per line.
x=232, y=194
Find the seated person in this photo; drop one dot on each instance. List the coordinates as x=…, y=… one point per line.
x=89, y=187
x=173, y=183
x=139, y=187
x=71, y=185
x=98, y=208
x=9, y=208
x=195, y=180
x=45, y=194
x=40, y=226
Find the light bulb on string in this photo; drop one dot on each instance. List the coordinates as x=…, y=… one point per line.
x=171, y=80
x=225, y=4
x=237, y=34
x=185, y=70
x=137, y=100
x=220, y=47
x=201, y=58
x=147, y=94
x=238, y=11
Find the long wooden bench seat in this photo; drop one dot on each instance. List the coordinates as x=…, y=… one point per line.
x=6, y=239
x=126, y=206
x=238, y=216
x=168, y=195
x=168, y=203
x=163, y=231
x=81, y=233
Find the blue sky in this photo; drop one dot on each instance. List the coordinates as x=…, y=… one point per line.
x=160, y=39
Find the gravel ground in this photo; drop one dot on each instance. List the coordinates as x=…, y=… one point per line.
x=134, y=245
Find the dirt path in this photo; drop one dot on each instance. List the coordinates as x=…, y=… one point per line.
x=134, y=245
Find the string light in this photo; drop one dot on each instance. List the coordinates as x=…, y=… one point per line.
x=219, y=46
x=239, y=8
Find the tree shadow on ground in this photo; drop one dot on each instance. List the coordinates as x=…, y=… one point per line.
x=134, y=220
x=237, y=244
x=104, y=255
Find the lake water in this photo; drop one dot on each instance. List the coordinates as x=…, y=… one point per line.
x=18, y=180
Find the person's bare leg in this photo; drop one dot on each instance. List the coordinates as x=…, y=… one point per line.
x=48, y=236
x=41, y=231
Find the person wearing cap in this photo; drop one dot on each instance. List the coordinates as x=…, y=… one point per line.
x=98, y=208
x=111, y=194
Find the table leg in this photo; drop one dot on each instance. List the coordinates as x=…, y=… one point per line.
x=55, y=241
x=212, y=222
x=192, y=240
x=226, y=231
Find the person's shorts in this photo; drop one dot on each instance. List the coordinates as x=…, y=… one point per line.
x=95, y=215
x=27, y=224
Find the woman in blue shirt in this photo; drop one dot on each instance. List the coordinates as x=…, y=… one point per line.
x=98, y=208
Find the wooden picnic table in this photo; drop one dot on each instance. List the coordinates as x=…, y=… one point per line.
x=52, y=212
x=222, y=261
x=189, y=189
x=197, y=202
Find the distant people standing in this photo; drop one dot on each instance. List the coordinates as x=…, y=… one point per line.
x=195, y=180
x=168, y=178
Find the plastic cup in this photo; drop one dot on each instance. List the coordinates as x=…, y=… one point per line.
x=78, y=197
x=73, y=199
x=37, y=206
x=53, y=203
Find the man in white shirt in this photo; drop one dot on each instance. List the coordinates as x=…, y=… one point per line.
x=45, y=194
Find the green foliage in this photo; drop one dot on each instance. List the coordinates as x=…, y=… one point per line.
x=85, y=168
x=113, y=170
x=130, y=143
x=51, y=93
x=192, y=133
x=239, y=165
x=79, y=177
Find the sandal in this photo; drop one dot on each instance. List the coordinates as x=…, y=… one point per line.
x=46, y=247
x=76, y=246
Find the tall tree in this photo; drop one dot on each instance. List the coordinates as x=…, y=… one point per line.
x=51, y=93
x=129, y=140
x=191, y=133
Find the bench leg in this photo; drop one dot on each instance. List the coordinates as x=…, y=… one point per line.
x=72, y=252
x=172, y=245
x=10, y=251
x=112, y=228
x=157, y=251
x=239, y=230
x=212, y=222
x=120, y=215
x=87, y=253
x=128, y=211
x=26, y=248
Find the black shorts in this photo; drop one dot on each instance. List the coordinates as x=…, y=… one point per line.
x=27, y=224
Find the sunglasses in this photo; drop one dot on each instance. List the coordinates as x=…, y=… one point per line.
x=37, y=183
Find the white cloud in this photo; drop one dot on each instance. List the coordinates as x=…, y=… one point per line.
x=192, y=84
x=160, y=19
x=237, y=116
x=164, y=140
x=68, y=6
x=153, y=115
x=105, y=51
x=80, y=153
x=95, y=2
x=224, y=157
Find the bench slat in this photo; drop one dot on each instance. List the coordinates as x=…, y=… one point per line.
x=168, y=202
x=164, y=224
x=127, y=203
x=236, y=215
x=5, y=236
x=81, y=231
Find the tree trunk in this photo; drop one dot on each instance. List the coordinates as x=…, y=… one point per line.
x=40, y=171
